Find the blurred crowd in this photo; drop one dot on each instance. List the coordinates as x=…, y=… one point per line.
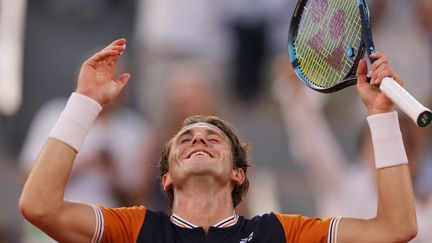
x=311, y=152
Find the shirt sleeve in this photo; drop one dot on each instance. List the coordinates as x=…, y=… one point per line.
x=118, y=224
x=298, y=228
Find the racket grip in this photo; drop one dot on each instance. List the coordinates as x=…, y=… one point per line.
x=421, y=115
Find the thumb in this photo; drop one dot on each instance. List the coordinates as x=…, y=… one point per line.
x=362, y=72
x=122, y=80
x=362, y=75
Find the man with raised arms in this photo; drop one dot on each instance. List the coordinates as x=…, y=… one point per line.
x=203, y=171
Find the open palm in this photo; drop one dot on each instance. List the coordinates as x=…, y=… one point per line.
x=96, y=79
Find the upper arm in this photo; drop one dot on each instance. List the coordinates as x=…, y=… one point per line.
x=77, y=222
x=367, y=230
x=73, y=222
x=120, y=224
x=360, y=230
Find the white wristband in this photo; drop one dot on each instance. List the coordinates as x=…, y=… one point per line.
x=387, y=140
x=75, y=120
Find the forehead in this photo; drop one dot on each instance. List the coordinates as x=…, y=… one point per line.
x=201, y=126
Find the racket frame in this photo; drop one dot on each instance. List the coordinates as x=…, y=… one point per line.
x=349, y=80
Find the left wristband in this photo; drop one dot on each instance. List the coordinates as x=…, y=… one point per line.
x=75, y=121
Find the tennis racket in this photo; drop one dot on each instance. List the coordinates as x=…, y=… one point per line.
x=327, y=39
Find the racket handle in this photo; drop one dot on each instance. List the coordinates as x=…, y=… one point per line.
x=421, y=115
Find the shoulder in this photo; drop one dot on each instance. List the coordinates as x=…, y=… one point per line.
x=265, y=228
x=299, y=228
x=136, y=211
x=262, y=219
x=119, y=224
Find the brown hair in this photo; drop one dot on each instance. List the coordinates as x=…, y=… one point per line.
x=239, y=151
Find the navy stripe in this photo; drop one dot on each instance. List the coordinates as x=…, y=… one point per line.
x=100, y=219
x=225, y=221
x=330, y=240
x=184, y=222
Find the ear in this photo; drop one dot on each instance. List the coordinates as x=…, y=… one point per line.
x=238, y=176
x=167, y=182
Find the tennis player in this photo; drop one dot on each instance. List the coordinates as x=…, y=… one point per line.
x=204, y=173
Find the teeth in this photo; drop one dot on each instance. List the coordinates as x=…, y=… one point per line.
x=200, y=153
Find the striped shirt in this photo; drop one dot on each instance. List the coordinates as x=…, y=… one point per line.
x=137, y=224
x=177, y=220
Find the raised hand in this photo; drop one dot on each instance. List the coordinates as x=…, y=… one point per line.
x=375, y=100
x=96, y=78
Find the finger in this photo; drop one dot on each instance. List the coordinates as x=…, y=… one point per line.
x=388, y=73
x=385, y=71
x=376, y=55
x=362, y=70
x=115, y=44
x=117, y=48
x=376, y=74
x=103, y=55
x=378, y=62
x=120, y=41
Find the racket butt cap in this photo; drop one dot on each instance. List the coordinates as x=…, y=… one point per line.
x=424, y=119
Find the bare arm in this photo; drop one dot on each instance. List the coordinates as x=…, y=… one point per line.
x=42, y=199
x=396, y=217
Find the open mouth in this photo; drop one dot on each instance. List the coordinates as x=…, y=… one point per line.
x=199, y=152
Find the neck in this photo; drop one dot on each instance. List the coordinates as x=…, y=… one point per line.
x=203, y=202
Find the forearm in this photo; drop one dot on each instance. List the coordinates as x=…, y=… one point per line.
x=396, y=206
x=395, y=194
x=44, y=189
x=396, y=216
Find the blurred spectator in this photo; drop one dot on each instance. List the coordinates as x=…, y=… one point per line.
x=410, y=53
x=250, y=32
x=187, y=92
x=57, y=33
x=259, y=29
x=341, y=188
x=424, y=11
x=12, y=25
x=170, y=32
x=2, y=233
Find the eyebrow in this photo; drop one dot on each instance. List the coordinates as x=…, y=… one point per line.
x=187, y=132
x=207, y=130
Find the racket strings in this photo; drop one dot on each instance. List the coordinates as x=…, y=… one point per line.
x=317, y=69
x=321, y=56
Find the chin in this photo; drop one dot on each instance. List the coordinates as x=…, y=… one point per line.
x=201, y=169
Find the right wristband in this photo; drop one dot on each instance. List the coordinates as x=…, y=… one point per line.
x=387, y=140
x=75, y=120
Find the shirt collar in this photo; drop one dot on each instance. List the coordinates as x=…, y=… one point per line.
x=231, y=220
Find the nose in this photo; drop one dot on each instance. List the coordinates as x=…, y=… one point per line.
x=198, y=138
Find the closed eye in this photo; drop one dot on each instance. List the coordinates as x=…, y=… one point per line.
x=185, y=140
x=213, y=140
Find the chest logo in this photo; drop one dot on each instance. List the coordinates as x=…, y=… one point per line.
x=247, y=239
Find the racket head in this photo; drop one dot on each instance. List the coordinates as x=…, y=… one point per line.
x=325, y=43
